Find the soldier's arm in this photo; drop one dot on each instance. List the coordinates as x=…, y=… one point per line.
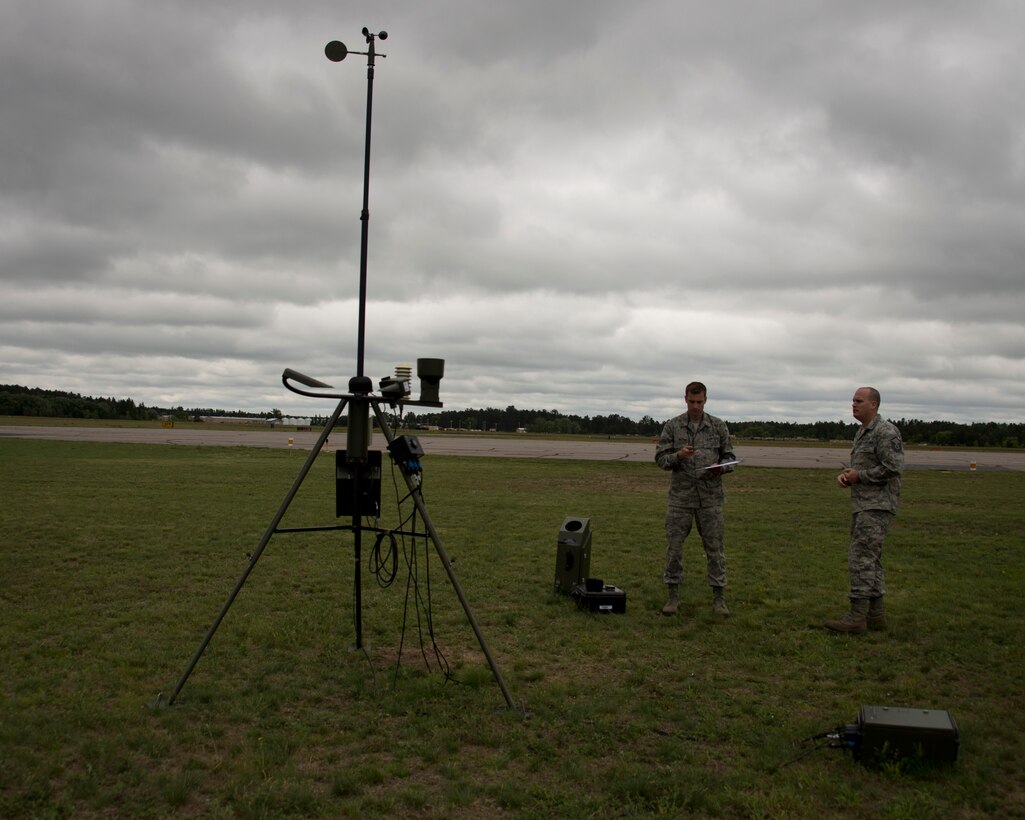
x=665, y=451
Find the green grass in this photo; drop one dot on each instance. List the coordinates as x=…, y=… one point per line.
x=115, y=558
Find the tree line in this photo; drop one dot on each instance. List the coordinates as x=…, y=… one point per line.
x=16, y=400
x=913, y=431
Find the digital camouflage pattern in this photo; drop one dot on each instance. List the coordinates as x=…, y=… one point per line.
x=691, y=486
x=865, y=556
x=878, y=456
x=711, y=528
x=695, y=495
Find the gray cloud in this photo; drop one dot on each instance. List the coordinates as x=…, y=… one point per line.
x=581, y=206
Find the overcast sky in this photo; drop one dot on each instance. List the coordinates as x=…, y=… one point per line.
x=580, y=205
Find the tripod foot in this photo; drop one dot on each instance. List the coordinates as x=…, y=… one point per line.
x=159, y=703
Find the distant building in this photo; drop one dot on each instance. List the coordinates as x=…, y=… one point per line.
x=254, y=420
x=264, y=421
x=291, y=421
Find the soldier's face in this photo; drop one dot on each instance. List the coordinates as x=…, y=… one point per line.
x=695, y=405
x=862, y=407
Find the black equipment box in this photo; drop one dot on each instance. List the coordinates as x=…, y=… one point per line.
x=596, y=596
x=363, y=480
x=889, y=732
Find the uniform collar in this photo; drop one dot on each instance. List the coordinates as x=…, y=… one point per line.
x=697, y=425
x=870, y=426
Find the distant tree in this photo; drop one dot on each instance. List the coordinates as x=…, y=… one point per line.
x=18, y=400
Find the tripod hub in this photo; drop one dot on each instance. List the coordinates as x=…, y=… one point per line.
x=361, y=385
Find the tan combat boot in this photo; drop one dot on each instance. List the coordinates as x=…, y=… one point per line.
x=855, y=622
x=719, y=603
x=673, y=603
x=876, y=618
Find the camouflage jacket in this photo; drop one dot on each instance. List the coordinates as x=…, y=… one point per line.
x=878, y=456
x=692, y=486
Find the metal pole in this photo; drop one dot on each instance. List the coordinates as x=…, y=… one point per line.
x=365, y=215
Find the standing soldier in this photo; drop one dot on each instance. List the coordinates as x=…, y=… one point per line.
x=877, y=461
x=689, y=446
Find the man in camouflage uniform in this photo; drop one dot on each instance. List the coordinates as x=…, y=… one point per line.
x=877, y=461
x=690, y=444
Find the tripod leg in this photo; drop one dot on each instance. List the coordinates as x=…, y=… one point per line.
x=414, y=491
x=271, y=528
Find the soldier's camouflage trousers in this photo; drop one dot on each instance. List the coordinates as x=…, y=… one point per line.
x=710, y=527
x=865, y=555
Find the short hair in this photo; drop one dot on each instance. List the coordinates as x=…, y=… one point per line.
x=694, y=388
x=873, y=394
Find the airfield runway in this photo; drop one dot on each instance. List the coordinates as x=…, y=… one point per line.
x=526, y=447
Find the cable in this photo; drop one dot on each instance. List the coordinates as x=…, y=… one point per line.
x=378, y=564
x=417, y=594
x=842, y=737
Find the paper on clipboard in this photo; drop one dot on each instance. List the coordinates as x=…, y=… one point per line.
x=723, y=464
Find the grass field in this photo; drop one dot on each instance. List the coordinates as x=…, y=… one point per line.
x=116, y=558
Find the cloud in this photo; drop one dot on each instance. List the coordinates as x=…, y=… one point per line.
x=580, y=206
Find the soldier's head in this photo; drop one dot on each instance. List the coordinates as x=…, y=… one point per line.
x=695, y=394
x=865, y=405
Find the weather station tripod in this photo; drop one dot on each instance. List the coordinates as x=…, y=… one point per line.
x=358, y=468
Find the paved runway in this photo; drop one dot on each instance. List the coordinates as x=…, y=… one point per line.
x=526, y=447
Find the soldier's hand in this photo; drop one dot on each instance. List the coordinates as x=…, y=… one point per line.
x=714, y=472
